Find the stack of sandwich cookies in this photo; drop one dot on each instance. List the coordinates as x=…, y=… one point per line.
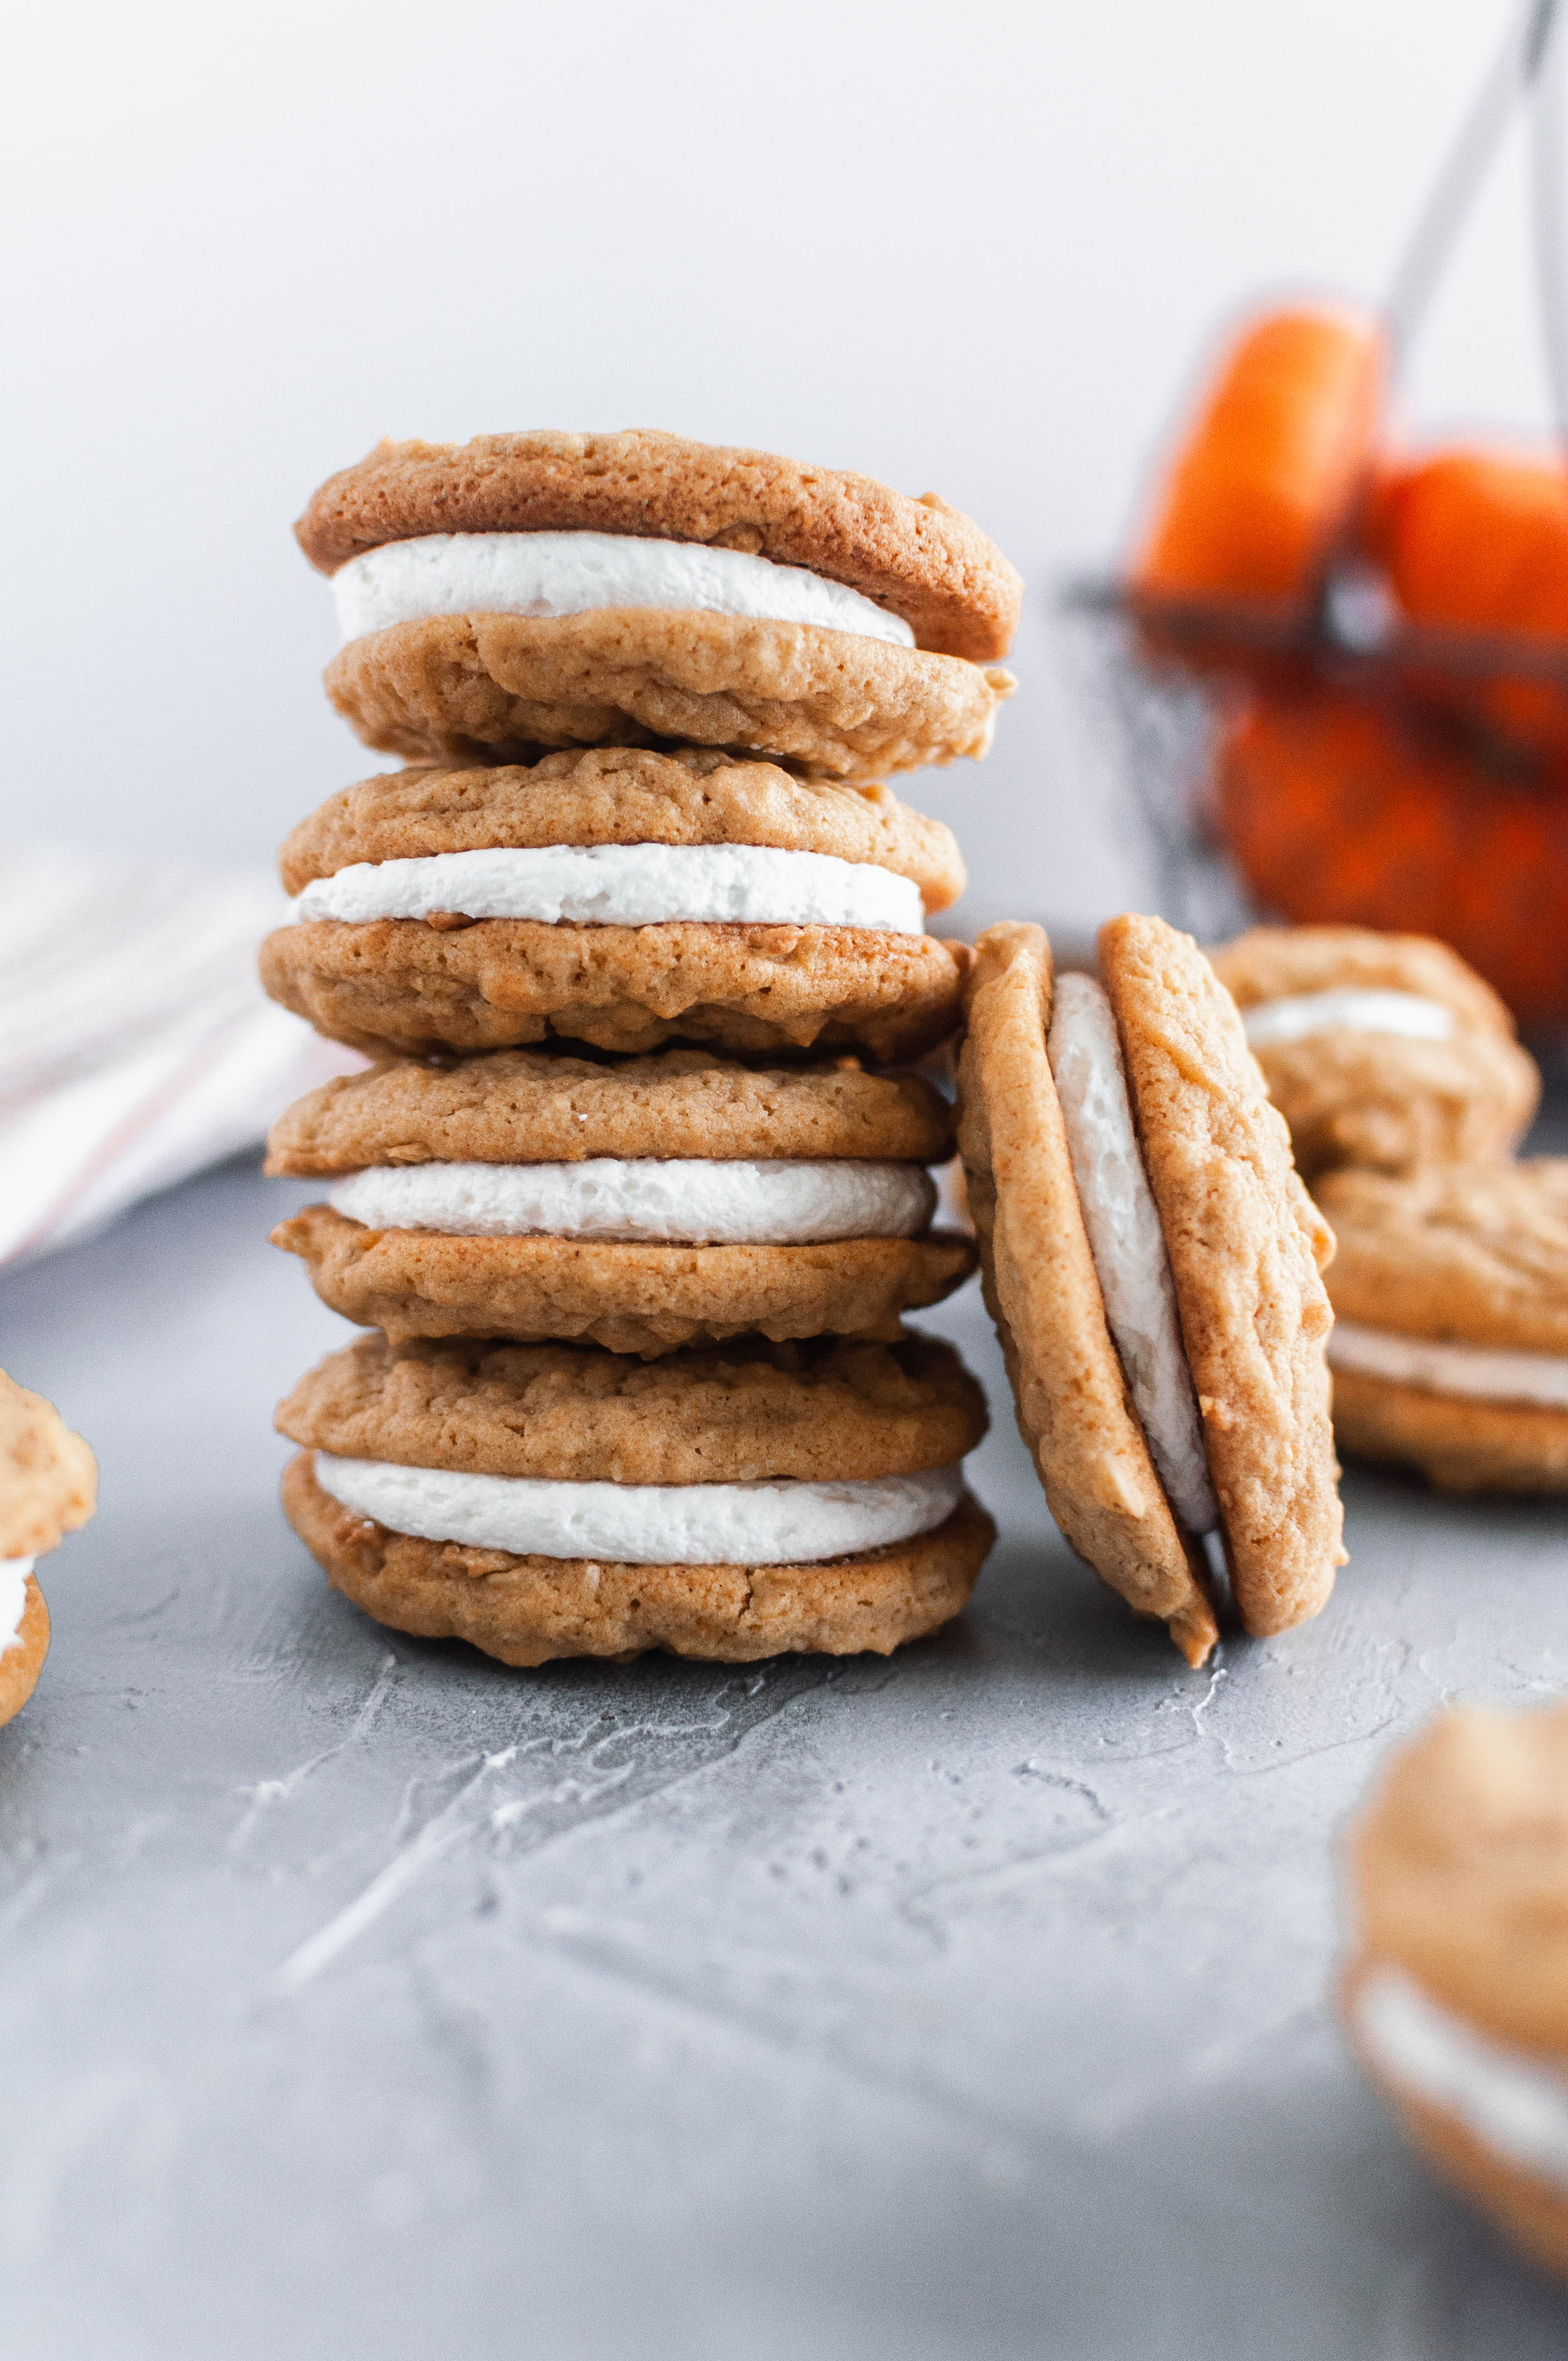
x=525, y=591
x=661, y=1202
x=1450, y=1346
x=1457, y=1998
x=1152, y=1263
x=626, y=942
x=1384, y=1051
x=48, y=1486
x=622, y=897
x=730, y=1503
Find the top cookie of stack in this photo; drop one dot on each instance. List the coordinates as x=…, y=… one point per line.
x=646, y=686
x=525, y=591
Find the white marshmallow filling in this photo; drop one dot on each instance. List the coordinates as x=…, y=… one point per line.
x=557, y=574
x=1127, y=1242
x=788, y=1523
x=1302, y=1014
x=670, y=1201
x=1503, y=2097
x=14, y=1572
x=1481, y=1372
x=624, y=886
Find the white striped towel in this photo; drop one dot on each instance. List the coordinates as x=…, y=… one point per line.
x=135, y=1044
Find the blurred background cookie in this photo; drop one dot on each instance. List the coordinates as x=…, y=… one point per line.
x=1383, y=1051
x=1456, y=1997
x=48, y=1486
x=1450, y=1344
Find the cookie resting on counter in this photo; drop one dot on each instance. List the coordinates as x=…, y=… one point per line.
x=48, y=1486
x=1456, y=1995
x=1152, y=1265
x=729, y=1503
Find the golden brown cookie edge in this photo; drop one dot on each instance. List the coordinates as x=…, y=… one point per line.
x=21, y=1664
x=397, y=987
x=919, y=558
x=1041, y=1289
x=459, y=688
x=1231, y=1204
x=572, y=1606
x=621, y=795
x=823, y=1410
x=535, y=1106
x=641, y=1299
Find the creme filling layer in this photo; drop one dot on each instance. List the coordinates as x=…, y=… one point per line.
x=557, y=574
x=624, y=886
x=788, y=1523
x=1483, y=1372
x=14, y=1572
x=666, y=1202
x=1503, y=2097
x=1127, y=1242
x=1348, y=1009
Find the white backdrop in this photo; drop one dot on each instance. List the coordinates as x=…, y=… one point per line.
x=973, y=249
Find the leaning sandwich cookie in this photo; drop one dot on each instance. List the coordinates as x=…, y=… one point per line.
x=1385, y=1051
x=1152, y=1265
x=622, y=897
x=523, y=591
x=644, y=1205
x=49, y=1485
x=1450, y=1345
x=1456, y=1995
x=730, y=1503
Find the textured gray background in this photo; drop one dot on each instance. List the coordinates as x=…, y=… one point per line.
x=360, y=1997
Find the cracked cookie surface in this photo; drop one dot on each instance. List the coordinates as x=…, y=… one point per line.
x=547, y=1107
x=400, y=986
x=826, y=1412
x=528, y=1610
x=500, y=689
x=621, y=795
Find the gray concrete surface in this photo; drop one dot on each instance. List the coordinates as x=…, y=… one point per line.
x=358, y=1997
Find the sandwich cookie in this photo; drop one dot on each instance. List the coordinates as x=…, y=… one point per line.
x=1380, y=1050
x=49, y=1485
x=1151, y=1261
x=729, y=1503
x=523, y=591
x=622, y=897
x=1456, y=1999
x=672, y=1199
x=1450, y=1346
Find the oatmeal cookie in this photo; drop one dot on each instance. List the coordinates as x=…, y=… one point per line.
x=919, y=558
x=500, y=688
x=399, y=986
x=1354, y=1091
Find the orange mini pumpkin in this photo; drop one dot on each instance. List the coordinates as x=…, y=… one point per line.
x=1339, y=811
x=1478, y=540
x=1272, y=466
